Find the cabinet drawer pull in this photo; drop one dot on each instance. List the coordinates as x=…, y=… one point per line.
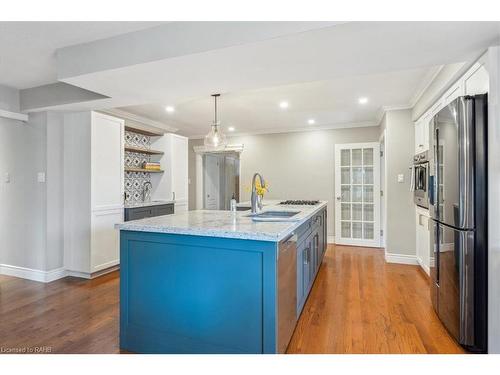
x=306, y=252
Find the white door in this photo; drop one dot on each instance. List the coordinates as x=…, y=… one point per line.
x=357, y=183
x=211, y=182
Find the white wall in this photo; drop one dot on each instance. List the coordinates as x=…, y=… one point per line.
x=400, y=215
x=296, y=165
x=30, y=215
x=55, y=191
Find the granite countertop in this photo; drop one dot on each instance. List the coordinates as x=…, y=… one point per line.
x=225, y=224
x=146, y=204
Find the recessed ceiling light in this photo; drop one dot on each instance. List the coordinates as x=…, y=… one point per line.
x=169, y=109
x=363, y=100
x=283, y=105
x=231, y=128
x=311, y=121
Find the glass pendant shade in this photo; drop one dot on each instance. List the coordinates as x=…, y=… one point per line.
x=215, y=138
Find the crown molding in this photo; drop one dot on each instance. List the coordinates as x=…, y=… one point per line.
x=364, y=124
x=428, y=81
x=227, y=148
x=13, y=115
x=386, y=108
x=140, y=119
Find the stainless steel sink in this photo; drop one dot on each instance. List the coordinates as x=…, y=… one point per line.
x=274, y=216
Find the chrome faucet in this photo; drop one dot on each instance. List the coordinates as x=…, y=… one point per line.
x=146, y=190
x=256, y=203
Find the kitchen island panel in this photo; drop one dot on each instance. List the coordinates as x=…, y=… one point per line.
x=192, y=294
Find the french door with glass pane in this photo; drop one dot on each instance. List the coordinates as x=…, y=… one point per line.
x=357, y=193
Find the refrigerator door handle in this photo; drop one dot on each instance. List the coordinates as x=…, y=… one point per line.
x=431, y=191
x=466, y=280
x=465, y=119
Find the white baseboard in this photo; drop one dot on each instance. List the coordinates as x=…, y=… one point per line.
x=52, y=275
x=401, y=259
x=82, y=275
x=32, y=274
x=331, y=239
x=424, y=266
x=89, y=275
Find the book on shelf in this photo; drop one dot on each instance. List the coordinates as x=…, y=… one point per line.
x=153, y=166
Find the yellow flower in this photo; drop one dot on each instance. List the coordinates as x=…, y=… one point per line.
x=261, y=190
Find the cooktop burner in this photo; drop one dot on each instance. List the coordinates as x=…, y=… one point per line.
x=300, y=202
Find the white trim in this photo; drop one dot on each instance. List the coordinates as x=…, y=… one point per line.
x=347, y=125
x=140, y=119
x=13, y=115
x=383, y=208
x=221, y=149
x=331, y=239
x=82, y=275
x=428, y=81
x=386, y=108
x=424, y=266
x=93, y=275
x=401, y=259
x=375, y=242
x=52, y=275
x=32, y=274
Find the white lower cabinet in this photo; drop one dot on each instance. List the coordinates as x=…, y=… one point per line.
x=423, y=238
x=105, y=241
x=93, y=191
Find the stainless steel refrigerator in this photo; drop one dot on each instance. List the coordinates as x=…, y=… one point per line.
x=458, y=208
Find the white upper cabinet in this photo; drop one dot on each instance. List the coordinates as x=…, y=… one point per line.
x=107, y=161
x=477, y=81
x=180, y=168
x=173, y=183
x=474, y=82
x=422, y=134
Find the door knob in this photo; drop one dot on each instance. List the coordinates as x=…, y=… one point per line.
x=339, y=198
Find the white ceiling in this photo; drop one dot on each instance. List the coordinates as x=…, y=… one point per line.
x=320, y=68
x=332, y=104
x=27, y=49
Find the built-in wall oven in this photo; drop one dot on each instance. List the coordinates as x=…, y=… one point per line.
x=420, y=179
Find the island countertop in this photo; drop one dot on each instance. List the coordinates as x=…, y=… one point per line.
x=225, y=224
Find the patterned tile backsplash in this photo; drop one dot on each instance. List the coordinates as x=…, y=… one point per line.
x=134, y=181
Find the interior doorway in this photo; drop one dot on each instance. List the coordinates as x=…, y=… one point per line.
x=221, y=180
x=357, y=183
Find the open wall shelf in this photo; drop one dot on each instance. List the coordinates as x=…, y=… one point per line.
x=130, y=169
x=143, y=151
x=143, y=132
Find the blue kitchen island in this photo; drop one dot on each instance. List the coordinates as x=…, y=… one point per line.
x=217, y=281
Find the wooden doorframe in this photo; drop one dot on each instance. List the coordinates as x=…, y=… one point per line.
x=376, y=195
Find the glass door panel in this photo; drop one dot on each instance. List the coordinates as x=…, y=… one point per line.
x=357, y=206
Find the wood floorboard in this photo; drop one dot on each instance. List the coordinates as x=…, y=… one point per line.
x=358, y=304
x=361, y=304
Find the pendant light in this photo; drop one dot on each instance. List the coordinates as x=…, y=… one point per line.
x=215, y=138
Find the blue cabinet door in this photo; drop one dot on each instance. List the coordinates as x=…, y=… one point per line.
x=300, y=275
x=311, y=245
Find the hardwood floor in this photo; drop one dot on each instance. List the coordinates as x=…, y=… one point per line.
x=358, y=304
x=70, y=315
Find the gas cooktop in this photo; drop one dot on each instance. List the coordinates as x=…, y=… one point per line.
x=300, y=202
